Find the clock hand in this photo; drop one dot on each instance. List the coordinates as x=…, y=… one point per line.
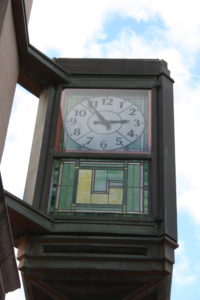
x=102, y=120
x=113, y=121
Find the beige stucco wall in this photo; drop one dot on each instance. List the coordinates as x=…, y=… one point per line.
x=36, y=147
x=9, y=67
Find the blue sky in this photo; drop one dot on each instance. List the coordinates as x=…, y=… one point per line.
x=168, y=30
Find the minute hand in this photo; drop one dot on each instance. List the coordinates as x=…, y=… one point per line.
x=102, y=120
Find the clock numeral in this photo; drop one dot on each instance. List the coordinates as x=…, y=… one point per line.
x=95, y=104
x=131, y=133
x=132, y=111
x=121, y=104
x=77, y=131
x=72, y=121
x=80, y=113
x=137, y=123
x=119, y=141
x=103, y=144
x=89, y=139
x=107, y=101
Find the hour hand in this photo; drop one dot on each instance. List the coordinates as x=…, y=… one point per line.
x=101, y=118
x=114, y=121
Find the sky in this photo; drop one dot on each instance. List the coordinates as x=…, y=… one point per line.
x=162, y=29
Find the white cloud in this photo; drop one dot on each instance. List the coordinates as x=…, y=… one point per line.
x=19, y=293
x=183, y=274
x=71, y=24
x=18, y=143
x=16, y=295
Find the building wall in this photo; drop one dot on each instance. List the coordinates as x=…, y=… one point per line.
x=9, y=68
x=9, y=64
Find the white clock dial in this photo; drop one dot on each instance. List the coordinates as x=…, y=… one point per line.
x=104, y=123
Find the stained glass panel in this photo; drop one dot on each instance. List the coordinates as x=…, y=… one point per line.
x=109, y=187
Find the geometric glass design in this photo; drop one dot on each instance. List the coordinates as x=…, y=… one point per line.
x=100, y=186
x=104, y=120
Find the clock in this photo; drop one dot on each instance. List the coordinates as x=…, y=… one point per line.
x=105, y=120
x=104, y=123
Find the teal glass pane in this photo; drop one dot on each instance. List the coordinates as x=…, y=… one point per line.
x=133, y=201
x=66, y=197
x=146, y=174
x=130, y=176
x=54, y=185
x=63, y=185
x=137, y=193
x=71, y=174
x=62, y=197
x=115, y=175
x=100, y=164
x=53, y=198
x=99, y=208
x=100, y=181
x=65, y=172
x=67, y=186
x=116, y=184
x=146, y=204
x=134, y=175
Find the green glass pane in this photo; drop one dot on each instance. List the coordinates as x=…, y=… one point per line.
x=146, y=204
x=115, y=174
x=116, y=184
x=146, y=174
x=137, y=175
x=99, y=208
x=102, y=164
x=65, y=172
x=56, y=176
x=130, y=176
x=62, y=197
x=71, y=173
x=69, y=198
x=100, y=181
x=136, y=200
x=53, y=198
x=66, y=197
x=134, y=175
x=133, y=200
x=56, y=173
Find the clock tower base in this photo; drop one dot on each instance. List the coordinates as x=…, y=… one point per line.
x=59, y=265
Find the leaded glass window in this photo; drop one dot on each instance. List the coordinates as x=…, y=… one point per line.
x=119, y=187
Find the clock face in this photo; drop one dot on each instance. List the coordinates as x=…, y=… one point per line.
x=103, y=120
x=104, y=123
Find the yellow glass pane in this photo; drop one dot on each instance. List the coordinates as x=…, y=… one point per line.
x=84, y=186
x=115, y=196
x=99, y=199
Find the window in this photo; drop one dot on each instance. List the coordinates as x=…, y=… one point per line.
x=100, y=186
x=102, y=122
